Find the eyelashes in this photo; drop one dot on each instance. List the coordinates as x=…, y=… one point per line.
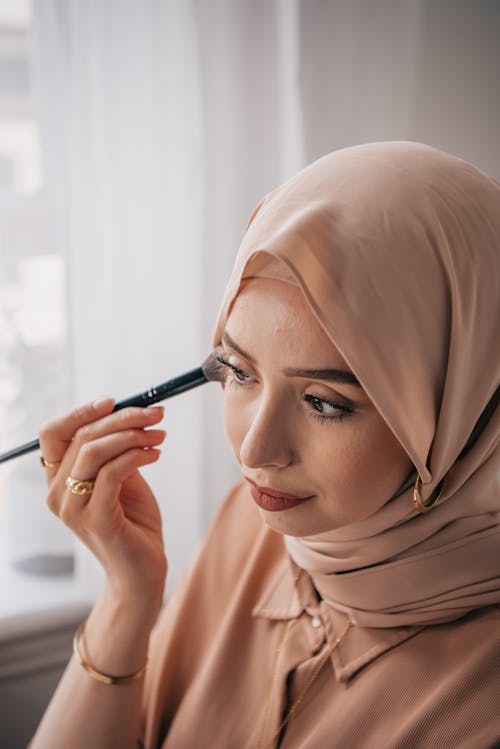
x=234, y=370
x=321, y=402
x=236, y=377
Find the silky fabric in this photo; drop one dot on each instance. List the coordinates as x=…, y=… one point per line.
x=215, y=679
x=396, y=246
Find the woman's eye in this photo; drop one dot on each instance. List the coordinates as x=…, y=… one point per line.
x=325, y=410
x=238, y=375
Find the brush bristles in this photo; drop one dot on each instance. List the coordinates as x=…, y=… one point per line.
x=212, y=368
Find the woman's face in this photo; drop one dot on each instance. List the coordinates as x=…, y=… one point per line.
x=302, y=433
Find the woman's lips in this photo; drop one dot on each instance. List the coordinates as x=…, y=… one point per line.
x=271, y=500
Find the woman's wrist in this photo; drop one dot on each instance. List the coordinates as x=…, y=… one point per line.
x=138, y=600
x=117, y=631
x=133, y=586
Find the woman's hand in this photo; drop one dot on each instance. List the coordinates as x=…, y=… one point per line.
x=119, y=521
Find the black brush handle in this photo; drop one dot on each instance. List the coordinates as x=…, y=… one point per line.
x=28, y=447
x=167, y=389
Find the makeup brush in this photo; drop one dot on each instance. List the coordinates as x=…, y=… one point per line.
x=210, y=371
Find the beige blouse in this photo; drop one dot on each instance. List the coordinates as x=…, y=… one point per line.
x=239, y=642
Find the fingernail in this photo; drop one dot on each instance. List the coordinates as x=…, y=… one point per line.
x=99, y=402
x=153, y=410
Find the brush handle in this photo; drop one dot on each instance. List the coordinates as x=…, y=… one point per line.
x=28, y=447
x=167, y=389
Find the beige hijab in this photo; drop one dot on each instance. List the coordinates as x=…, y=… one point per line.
x=396, y=247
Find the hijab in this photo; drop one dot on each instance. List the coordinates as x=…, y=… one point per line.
x=396, y=247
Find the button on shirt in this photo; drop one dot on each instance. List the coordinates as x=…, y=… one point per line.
x=245, y=632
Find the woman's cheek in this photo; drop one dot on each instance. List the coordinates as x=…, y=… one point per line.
x=385, y=464
x=233, y=421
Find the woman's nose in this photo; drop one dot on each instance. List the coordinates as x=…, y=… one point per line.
x=268, y=439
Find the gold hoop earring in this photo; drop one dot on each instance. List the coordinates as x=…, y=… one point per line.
x=417, y=497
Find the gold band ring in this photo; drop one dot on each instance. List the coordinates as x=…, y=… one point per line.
x=417, y=498
x=80, y=486
x=49, y=464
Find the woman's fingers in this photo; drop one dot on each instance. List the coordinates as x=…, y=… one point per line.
x=99, y=504
x=118, y=421
x=94, y=455
x=56, y=435
x=65, y=437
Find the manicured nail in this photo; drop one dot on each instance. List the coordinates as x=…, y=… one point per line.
x=99, y=402
x=156, y=435
x=153, y=410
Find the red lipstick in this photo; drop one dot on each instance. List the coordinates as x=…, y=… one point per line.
x=272, y=500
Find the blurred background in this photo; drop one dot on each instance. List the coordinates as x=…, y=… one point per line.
x=136, y=137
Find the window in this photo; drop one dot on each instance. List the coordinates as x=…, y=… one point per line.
x=33, y=379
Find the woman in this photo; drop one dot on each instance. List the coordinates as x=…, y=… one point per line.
x=347, y=594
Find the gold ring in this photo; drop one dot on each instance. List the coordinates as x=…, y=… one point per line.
x=417, y=498
x=80, y=486
x=49, y=464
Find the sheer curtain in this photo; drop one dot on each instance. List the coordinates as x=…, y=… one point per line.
x=168, y=133
x=165, y=122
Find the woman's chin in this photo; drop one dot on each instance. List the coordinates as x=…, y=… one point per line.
x=288, y=524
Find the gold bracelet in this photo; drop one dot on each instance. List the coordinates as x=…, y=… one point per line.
x=105, y=678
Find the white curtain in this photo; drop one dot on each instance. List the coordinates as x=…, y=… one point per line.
x=173, y=118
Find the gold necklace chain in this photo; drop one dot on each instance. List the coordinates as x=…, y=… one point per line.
x=317, y=670
x=312, y=678
x=284, y=630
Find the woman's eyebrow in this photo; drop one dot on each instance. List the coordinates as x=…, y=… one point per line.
x=330, y=375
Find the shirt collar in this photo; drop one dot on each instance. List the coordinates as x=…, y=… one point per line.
x=284, y=599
